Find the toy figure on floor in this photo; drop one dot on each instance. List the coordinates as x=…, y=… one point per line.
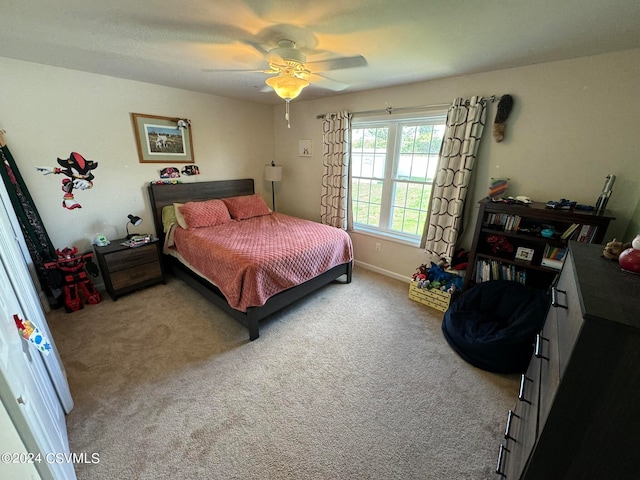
x=78, y=171
x=68, y=272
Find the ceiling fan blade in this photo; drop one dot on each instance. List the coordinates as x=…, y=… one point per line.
x=327, y=83
x=240, y=70
x=259, y=48
x=158, y=26
x=337, y=63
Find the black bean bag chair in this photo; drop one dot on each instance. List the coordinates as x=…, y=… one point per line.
x=493, y=325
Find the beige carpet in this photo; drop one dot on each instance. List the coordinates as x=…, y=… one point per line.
x=353, y=382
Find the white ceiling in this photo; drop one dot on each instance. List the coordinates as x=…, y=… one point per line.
x=172, y=42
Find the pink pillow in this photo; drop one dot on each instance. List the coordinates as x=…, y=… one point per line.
x=246, y=206
x=204, y=214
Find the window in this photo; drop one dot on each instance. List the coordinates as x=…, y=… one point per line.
x=393, y=164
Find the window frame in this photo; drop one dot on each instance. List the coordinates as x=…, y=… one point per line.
x=393, y=151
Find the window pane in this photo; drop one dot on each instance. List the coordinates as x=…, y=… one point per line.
x=357, y=139
x=410, y=207
x=376, y=192
x=367, y=166
x=367, y=197
x=369, y=152
x=356, y=164
x=379, y=162
x=374, y=215
x=400, y=194
x=411, y=222
x=432, y=167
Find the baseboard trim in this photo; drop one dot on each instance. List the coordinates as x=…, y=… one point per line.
x=382, y=271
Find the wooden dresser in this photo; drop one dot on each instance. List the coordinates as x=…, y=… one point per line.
x=578, y=409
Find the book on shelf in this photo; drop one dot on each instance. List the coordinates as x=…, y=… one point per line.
x=587, y=233
x=553, y=257
x=580, y=233
x=503, y=221
x=567, y=233
x=487, y=270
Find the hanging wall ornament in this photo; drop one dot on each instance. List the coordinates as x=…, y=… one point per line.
x=78, y=173
x=504, y=109
x=169, y=172
x=190, y=170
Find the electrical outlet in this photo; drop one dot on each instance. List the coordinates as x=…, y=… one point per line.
x=377, y=246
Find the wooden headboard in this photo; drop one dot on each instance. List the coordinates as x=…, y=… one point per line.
x=162, y=195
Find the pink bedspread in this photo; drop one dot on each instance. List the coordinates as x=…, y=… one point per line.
x=252, y=260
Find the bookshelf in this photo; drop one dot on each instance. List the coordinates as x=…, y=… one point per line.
x=527, y=243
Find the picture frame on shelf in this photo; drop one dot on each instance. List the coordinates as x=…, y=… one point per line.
x=524, y=254
x=163, y=139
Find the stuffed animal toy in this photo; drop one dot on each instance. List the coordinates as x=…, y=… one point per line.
x=613, y=249
x=443, y=263
x=499, y=243
x=421, y=273
x=504, y=109
x=436, y=273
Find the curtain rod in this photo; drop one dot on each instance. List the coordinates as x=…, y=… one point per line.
x=390, y=110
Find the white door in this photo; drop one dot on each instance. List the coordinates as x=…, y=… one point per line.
x=26, y=386
x=27, y=391
x=14, y=253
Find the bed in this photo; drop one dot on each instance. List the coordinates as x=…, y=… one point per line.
x=225, y=291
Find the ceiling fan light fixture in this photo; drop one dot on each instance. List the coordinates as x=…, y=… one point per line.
x=287, y=87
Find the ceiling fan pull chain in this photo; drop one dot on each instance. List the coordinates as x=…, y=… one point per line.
x=286, y=115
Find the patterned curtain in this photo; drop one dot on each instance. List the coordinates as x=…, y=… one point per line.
x=334, y=202
x=35, y=235
x=465, y=123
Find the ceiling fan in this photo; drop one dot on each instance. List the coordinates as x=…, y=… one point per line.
x=287, y=63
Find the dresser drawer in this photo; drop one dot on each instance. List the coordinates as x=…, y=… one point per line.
x=504, y=465
x=566, y=304
x=521, y=430
x=546, y=350
x=131, y=257
x=133, y=276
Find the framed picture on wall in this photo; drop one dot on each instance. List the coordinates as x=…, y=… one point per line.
x=163, y=139
x=304, y=148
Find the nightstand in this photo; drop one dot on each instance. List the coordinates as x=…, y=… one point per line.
x=127, y=269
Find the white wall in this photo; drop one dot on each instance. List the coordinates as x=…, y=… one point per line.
x=573, y=123
x=49, y=112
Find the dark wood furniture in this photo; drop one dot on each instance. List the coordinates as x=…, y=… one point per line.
x=162, y=195
x=578, y=413
x=127, y=269
x=497, y=219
